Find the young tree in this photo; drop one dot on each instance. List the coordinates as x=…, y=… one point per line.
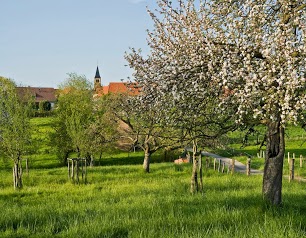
x=139, y=123
x=102, y=130
x=61, y=141
x=249, y=55
x=14, y=127
x=74, y=112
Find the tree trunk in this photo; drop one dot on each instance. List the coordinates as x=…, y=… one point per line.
x=146, y=161
x=273, y=171
x=78, y=152
x=17, y=174
x=165, y=155
x=89, y=159
x=92, y=161
x=194, y=150
x=194, y=187
x=194, y=177
x=100, y=157
x=66, y=156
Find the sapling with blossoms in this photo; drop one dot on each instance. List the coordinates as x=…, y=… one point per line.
x=248, y=56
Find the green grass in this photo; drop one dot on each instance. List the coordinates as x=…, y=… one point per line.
x=120, y=200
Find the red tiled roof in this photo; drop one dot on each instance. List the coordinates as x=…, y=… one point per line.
x=105, y=89
x=40, y=94
x=131, y=89
x=119, y=87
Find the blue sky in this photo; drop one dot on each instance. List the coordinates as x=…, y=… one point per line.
x=43, y=40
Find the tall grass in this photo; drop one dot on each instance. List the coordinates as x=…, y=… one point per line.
x=122, y=201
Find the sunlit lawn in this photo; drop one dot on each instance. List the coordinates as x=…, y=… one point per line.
x=120, y=200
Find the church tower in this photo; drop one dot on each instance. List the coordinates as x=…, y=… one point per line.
x=97, y=82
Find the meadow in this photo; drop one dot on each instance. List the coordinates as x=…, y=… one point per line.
x=120, y=200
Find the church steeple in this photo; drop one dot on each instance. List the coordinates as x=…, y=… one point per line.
x=97, y=81
x=97, y=73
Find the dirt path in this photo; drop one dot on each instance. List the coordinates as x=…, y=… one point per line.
x=239, y=167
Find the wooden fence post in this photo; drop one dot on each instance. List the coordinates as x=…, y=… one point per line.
x=188, y=157
x=14, y=176
x=82, y=164
x=301, y=161
x=72, y=169
x=293, y=156
x=233, y=166
x=219, y=165
x=27, y=166
x=291, y=170
x=77, y=167
x=68, y=161
x=215, y=163
x=288, y=157
x=207, y=162
x=248, y=167
x=223, y=167
x=77, y=170
x=85, y=179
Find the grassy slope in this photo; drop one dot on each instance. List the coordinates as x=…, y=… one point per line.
x=45, y=154
x=122, y=201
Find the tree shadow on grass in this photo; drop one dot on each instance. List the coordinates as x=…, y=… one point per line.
x=116, y=232
x=132, y=160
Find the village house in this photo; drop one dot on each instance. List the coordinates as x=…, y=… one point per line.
x=46, y=95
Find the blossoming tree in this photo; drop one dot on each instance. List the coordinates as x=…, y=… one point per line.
x=247, y=57
x=138, y=124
